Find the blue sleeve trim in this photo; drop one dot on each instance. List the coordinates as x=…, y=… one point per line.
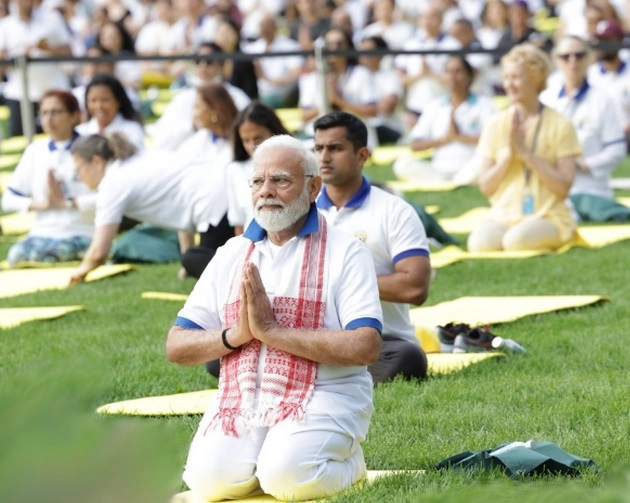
x=186, y=323
x=416, y=252
x=620, y=140
x=16, y=192
x=365, y=322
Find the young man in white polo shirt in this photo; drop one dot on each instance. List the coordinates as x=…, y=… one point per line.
x=389, y=227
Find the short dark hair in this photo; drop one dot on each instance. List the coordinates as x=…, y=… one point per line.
x=356, y=132
x=260, y=114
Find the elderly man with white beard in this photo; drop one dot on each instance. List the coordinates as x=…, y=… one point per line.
x=291, y=308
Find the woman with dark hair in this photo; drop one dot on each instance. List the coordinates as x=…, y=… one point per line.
x=115, y=38
x=214, y=112
x=211, y=147
x=153, y=187
x=239, y=73
x=44, y=182
x=110, y=110
x=252, y=126
x=451, y=127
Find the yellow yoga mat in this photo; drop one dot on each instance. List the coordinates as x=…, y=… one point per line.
x=387, y=154
x=405, y=186
x=196, y=402
x=494, y=310
x=13, y=316
x=16, y=224
x=8, y=162
x=464, y=223
x=164, y=296
x=624, y=200
x=372, y=475
x=20, y=281
x=597, y=236
x=453, y=253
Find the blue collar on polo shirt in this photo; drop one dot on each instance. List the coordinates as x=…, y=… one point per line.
x=324, y=202
x=52, y=146
x=620, y=69
x=216, y=137
x=579, y=95
x=256, y=233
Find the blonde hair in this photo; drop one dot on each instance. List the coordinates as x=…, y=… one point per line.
x=535, y=62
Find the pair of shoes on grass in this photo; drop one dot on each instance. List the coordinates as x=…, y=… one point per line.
x=461, y=338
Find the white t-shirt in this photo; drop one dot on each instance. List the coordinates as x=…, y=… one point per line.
x=204, y=147
x=601, y=136
x=276, y=67
x=176, y=122
x=154, y=187
x=30, y=182
x=427, y=88
x=131, y=130
x=16, y=35
x=470, y=118
x=392, y=230
x=616, y=85
x=351, y=290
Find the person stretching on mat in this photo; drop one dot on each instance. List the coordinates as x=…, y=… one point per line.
x=392, y=231
x=291, y=307
x=528, y=156
x=151, y=186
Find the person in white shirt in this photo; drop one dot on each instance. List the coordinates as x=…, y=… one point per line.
x=277, y=76
x=612, y=72
x=423, y=75
x=175, y=124
x=599, y=131
x=390, y=228
x=36, y=33
x=151, y=186
x=451, y=127
x=387, y=123
x=211, y=146
x=109, y=110
x=349, y=86
x=291, y=308
x=44, y=182
x=385, y=24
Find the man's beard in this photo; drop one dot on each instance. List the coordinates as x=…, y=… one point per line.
x=275, y=220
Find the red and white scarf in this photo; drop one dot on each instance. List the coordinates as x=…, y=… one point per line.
x=288, y=381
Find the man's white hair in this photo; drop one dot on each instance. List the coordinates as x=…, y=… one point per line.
x=308, y=163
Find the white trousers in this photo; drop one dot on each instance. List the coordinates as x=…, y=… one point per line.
x=315, y=458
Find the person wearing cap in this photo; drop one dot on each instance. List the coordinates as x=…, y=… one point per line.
x=612, y=73
x=598, y=128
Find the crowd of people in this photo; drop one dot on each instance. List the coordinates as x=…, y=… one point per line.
x=305, y=271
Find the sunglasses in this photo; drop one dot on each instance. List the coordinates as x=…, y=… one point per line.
x=579, y=56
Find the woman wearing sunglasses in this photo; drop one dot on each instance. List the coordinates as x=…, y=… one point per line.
x=599, y=131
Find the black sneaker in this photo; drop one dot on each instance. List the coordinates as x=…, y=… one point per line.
x=476, y=340
x=447, y=334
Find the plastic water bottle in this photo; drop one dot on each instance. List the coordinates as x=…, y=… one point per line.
x=501, y=343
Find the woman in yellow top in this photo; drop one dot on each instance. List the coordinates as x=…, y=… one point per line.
x=529, y=153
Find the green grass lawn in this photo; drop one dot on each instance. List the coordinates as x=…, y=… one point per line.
x=572, y=387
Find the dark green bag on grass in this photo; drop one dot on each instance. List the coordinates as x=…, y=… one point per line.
x=517, y=459
x=146, y=244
